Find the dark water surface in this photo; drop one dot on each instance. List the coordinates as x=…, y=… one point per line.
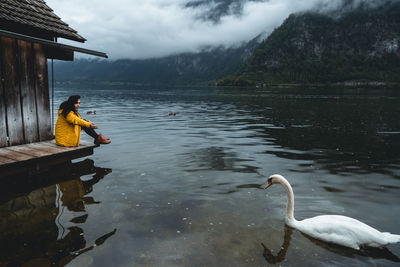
x=187, y=190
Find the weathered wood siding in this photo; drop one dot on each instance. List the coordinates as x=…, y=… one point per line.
x=24, y=96
x=9, y=55
x=3, y=124
x=42, y=94
x=28, y=95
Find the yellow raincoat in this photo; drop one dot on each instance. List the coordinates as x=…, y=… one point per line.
x=68, y=130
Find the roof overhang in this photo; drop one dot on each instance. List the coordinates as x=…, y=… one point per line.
x=53, y=49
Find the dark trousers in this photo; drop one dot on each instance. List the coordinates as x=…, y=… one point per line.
x=91, y=132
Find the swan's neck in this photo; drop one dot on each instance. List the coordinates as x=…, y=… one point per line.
x=290, y=204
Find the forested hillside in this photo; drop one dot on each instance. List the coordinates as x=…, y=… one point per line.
x=357, y=45
x=187, y=68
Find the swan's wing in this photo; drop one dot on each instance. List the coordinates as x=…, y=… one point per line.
x=342, y=230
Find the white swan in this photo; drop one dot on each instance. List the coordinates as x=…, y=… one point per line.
x=336, y=229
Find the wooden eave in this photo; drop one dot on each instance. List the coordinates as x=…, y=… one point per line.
x=53, y=49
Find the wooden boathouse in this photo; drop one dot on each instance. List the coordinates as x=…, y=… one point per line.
x=28, y=38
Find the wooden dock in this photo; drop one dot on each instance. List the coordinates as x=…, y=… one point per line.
x=35, y=157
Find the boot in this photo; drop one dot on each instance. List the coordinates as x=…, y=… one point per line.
x=102, y=140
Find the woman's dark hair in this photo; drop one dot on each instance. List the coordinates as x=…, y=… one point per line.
x=69, y=105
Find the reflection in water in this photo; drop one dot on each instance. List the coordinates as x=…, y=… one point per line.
x=186, y=191
x=282, y=252
x=35, y=220
x=343, y=134
x=376, y=253
x=218, y=159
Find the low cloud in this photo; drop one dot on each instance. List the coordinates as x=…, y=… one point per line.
x=140, y=29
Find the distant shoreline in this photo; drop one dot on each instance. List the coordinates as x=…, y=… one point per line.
x=342, y=85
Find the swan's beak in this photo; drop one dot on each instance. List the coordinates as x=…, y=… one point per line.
x=268, y=185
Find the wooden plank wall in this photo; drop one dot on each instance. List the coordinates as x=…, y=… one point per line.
x=3, y=123
x=28, y=94
x=24, y=97
x=42, y=94
x=9, y=55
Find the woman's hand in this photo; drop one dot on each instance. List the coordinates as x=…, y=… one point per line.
x=93, y=126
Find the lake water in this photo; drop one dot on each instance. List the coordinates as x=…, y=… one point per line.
x=188, y=190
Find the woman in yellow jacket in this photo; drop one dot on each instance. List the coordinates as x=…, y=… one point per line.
x=70, y=123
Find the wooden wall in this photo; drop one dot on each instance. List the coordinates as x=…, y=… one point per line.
x=24, y=93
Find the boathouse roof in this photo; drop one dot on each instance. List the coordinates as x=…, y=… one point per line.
x=34, y=18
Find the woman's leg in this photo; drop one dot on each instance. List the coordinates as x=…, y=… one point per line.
x=91, y=132
x=98, y=138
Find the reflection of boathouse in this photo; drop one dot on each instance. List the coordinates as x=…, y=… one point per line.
x=44, y=227
x=28, y=37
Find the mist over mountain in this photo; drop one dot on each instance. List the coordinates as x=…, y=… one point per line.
x=358, y=44
x=187, y=68
x=135, y=29
x=214, y=10
x=338, y=41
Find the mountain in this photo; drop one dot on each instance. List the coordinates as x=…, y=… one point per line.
x=188, y=68
x=361, y=44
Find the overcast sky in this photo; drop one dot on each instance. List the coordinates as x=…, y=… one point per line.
x=140, y=29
